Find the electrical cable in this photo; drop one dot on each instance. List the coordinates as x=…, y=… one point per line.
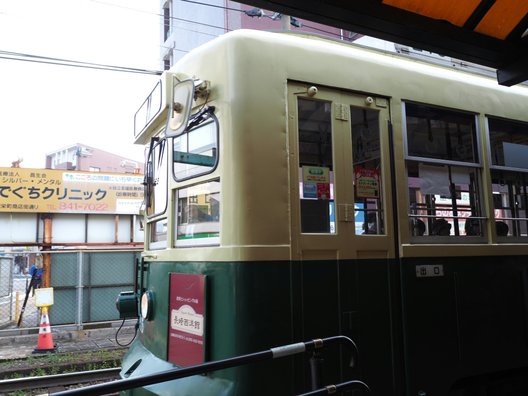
x=167, y=25
x=161, y=15
x=243, y=11
x=72, y=63
x=9, y=55
x=133, y=338
x=212, y=5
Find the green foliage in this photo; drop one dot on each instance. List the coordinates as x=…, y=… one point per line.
x=17, y=393
x=57, y=363
x=38, y=372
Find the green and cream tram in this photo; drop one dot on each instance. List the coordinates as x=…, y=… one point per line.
x=300, y=188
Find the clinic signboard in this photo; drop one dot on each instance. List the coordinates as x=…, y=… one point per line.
x=186, y=344
x=60, y=191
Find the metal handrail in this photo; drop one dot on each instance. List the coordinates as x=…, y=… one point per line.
x=176, y=373
x=332, y=389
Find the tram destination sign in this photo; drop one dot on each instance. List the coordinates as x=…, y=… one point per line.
x=59, y=191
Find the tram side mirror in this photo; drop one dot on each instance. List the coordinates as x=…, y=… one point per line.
x=180, y=107
x=127, y=305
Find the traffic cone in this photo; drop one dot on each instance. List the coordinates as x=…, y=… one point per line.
x=45, y=338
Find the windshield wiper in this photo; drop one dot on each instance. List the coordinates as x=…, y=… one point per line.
x=201, y=116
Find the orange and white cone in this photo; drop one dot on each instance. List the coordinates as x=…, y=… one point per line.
x=45, y=338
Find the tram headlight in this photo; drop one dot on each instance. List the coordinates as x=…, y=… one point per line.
x=147, y=305
x=126, y=304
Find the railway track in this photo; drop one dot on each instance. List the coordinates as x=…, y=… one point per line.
x=59, y=381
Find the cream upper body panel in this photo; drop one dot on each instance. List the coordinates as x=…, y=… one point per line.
x=249, y=73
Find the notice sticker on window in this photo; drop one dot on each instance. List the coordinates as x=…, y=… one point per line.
x=367, y=183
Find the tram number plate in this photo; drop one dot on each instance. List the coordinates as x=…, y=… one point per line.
x=428, y=271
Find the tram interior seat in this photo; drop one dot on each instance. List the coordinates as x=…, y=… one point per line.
x=472, y=227
x=441, y=227
x=315, y=216
x=418, y=227
x=502, y=228
x=370, y=225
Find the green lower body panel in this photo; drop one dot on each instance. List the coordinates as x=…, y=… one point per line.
x=139, y=362
x=466, y=330
x=255, y=306
x=460, y=332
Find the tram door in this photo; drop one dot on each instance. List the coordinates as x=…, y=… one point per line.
x=339, y=167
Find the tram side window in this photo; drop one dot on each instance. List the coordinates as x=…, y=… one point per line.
x=366, y=155
x=316, y=167
x=443, y=170
x=509, y=175
x=158, y=234
x=198, y=215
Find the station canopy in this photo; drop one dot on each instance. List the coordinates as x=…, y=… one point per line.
x=491, y=33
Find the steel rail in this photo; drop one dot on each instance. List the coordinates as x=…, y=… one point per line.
x=48, y=381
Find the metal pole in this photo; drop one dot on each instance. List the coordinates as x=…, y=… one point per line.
x=116, y=228
x=46, y=245
x=17, y=296
x=28, y=290
x=316, y=370
x=80, y=262
x=11, y=287
x=286, y=21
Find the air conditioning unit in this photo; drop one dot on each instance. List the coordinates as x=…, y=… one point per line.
x=129, y=164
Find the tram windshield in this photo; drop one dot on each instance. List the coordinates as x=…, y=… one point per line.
x=195, y=150
x=156, y=178
x=156, y=183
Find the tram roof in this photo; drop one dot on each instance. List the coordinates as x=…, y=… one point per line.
x=492, y=33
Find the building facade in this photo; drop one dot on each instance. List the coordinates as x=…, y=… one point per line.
x=81, y=157
x=188, y=24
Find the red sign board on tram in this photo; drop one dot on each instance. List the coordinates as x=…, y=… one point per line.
x=187, y=319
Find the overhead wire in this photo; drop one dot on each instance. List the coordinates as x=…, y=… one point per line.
x=9, y=55
x=161, y=15
x=16, y=56
x=206, y=24
x=243, y=11
x=19, y=56
x=213, y=5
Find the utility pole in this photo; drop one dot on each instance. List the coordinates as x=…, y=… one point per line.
x=286, y=21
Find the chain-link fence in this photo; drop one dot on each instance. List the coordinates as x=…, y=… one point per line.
x=85, y=287
x=6, y=290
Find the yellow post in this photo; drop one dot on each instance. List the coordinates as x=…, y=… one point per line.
x=17, y=295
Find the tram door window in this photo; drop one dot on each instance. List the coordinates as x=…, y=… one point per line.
x=366, y=157
x=509, y=175
x=316, y=173
x=443, y=173
x=338, y=169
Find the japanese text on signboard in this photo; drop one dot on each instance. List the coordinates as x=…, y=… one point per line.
x=56, y=191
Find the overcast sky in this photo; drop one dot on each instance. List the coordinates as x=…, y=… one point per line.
x=47, y=107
